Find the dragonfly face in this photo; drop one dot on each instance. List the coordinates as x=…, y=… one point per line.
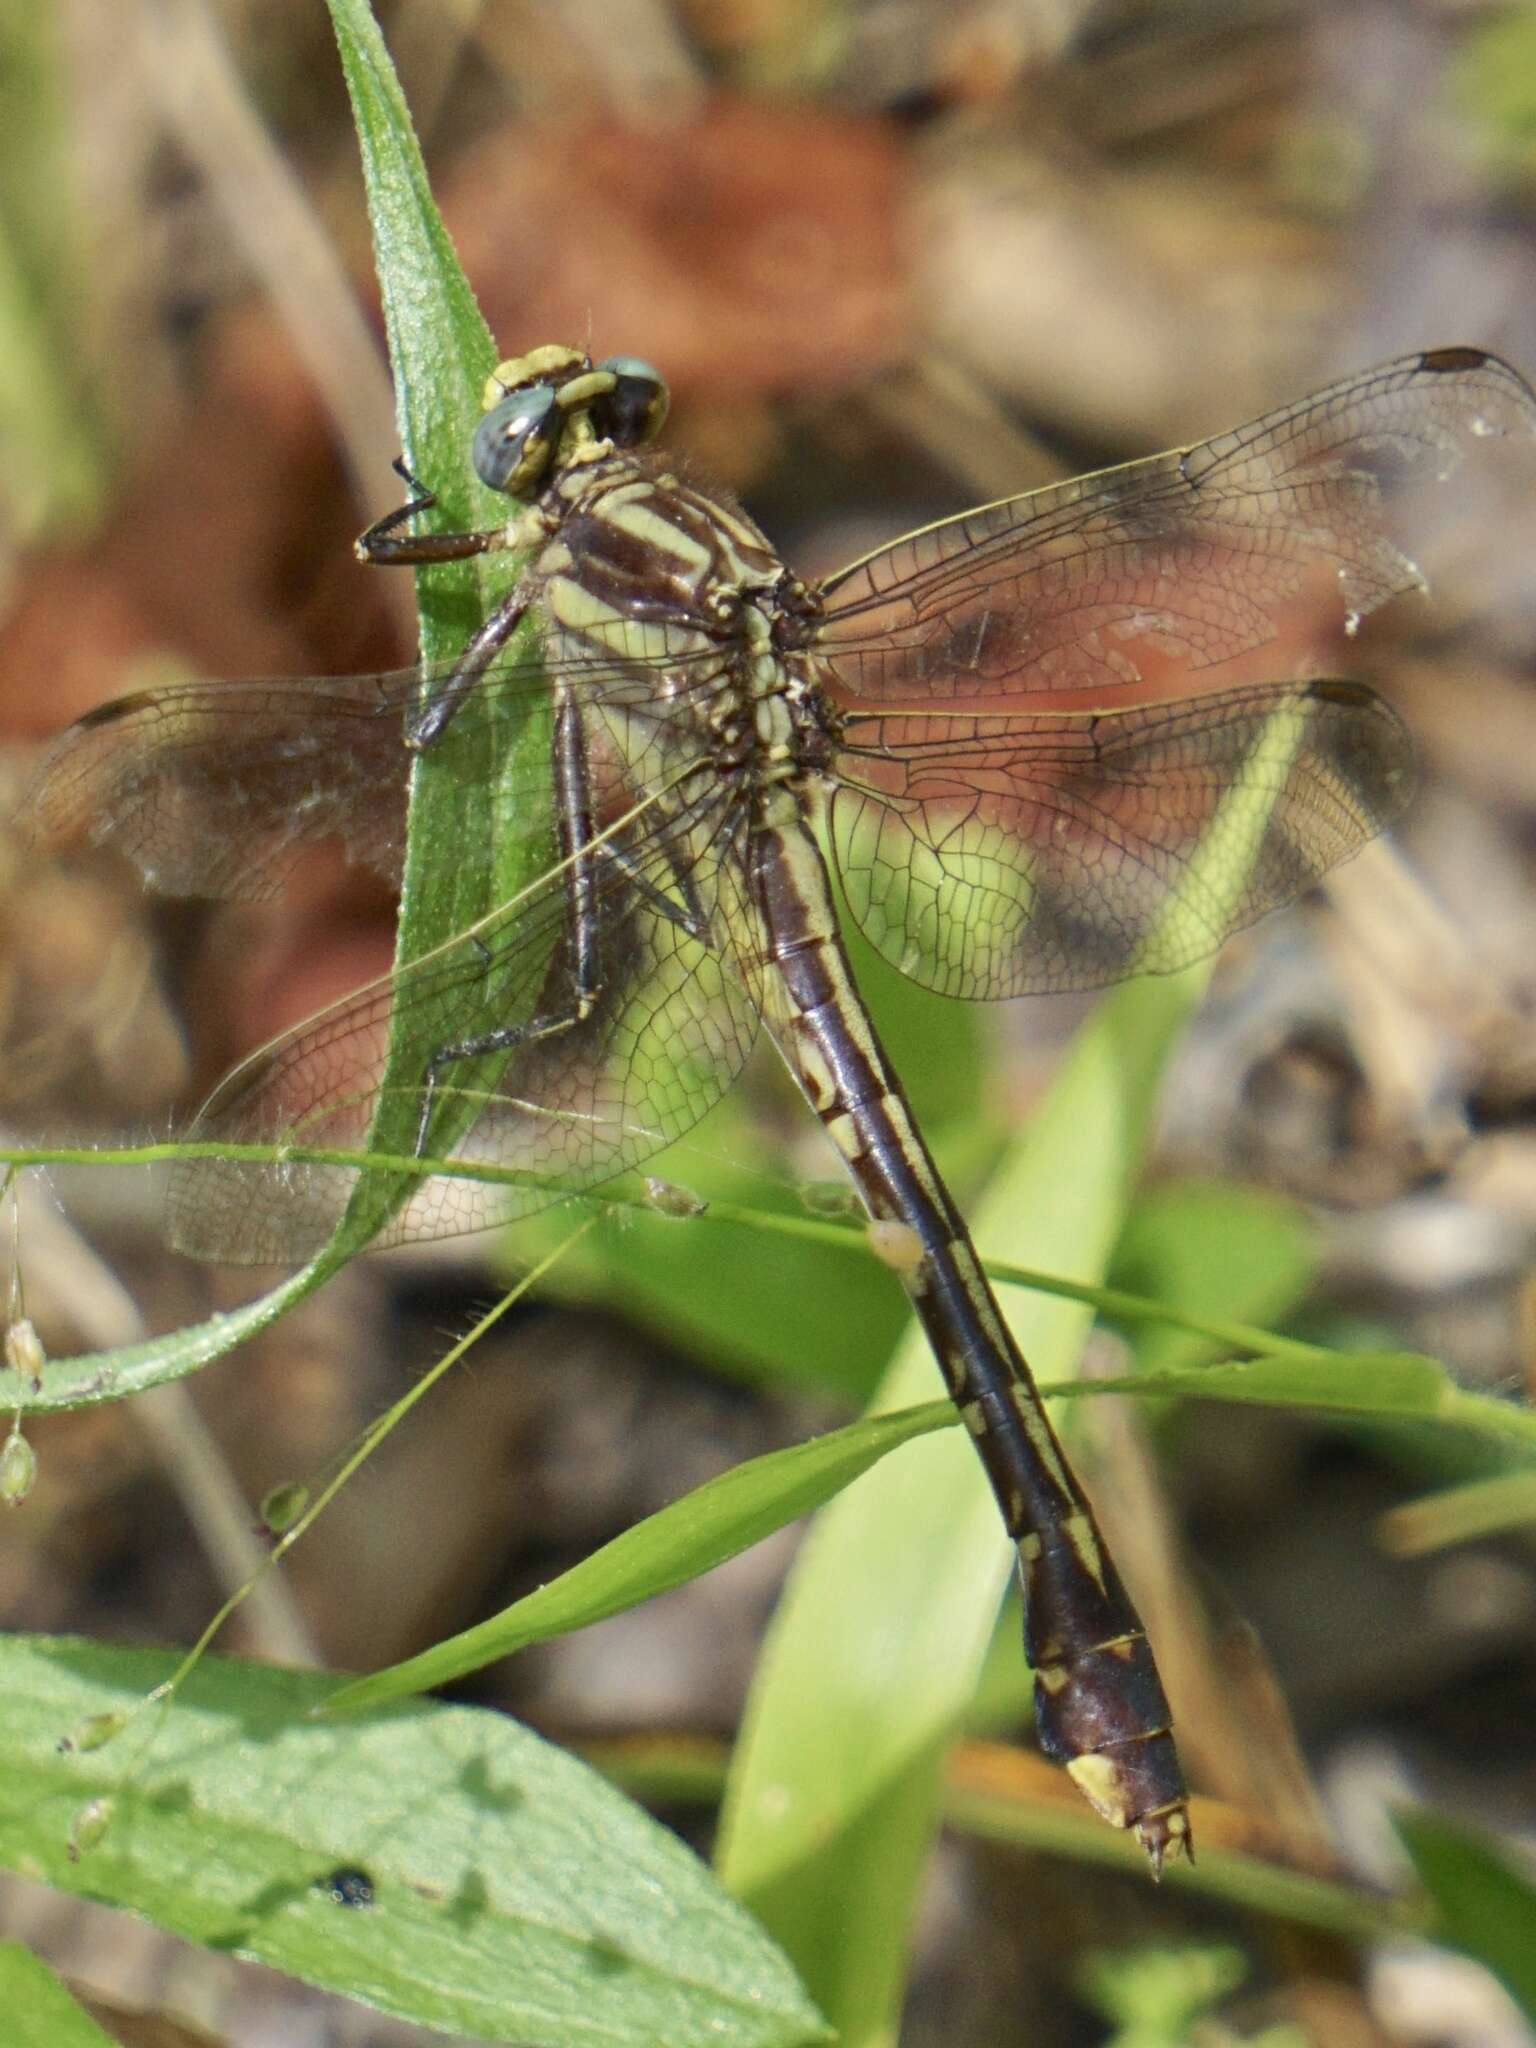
x=1020, y=726
x=544, y=406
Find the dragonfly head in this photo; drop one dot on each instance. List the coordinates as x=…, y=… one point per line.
x=542, y=407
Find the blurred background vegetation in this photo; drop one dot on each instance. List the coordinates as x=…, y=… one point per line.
x=894, y=257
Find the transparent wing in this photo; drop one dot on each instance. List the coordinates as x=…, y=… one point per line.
x=215, y=788
x=592, y=1089
x=1124, y=584
x=1000, y=856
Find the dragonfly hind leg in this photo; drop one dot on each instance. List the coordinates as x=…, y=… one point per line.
x=687, y=916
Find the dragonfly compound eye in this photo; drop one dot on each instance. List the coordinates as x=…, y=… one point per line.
x=516, y=440
x=636, y=409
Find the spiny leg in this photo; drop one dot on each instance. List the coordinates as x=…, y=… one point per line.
x=687, y=916
x=383, y=546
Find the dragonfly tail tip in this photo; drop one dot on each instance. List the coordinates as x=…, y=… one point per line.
x=1166, y=1836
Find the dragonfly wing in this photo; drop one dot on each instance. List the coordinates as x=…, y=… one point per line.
x=1001, y=856
x=215, y=789
x=674, y=1009
x=1128, y=583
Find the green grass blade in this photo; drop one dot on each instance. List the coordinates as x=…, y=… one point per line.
x=1461, y=1514
x=1386, y=1385
x=739, y=1508
x=1225, y=1876
x=441, y=353
x=60, y=448
x=94, y=1376
x=516, y=1895
x=988, y=1795
x=1485, y=1906
x=39, y=2012
x=716, y=1521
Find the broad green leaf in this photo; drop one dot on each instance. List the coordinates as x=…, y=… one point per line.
x=880, y=1635
x=1485, y=1902
x=717, y=1520
x=516, y=1896
x=39, y=2012
x=1221, y=1250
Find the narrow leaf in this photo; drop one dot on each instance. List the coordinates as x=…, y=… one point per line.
x=1461, y=1514
x=39, y=2012
x=1383, y=1384
x=1486, y=1905
x=441, y=354
x=716, y=1521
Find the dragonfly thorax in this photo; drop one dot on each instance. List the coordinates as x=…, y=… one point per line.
x=642, y=574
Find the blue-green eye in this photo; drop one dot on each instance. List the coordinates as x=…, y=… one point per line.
x=636, y=408
x=514, y=442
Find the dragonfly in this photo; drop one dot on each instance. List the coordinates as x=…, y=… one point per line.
x=1006, y=734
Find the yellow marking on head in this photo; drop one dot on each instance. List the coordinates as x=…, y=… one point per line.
x=552, y=363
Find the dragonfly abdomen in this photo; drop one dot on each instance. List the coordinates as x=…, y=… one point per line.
x=1100, y=1706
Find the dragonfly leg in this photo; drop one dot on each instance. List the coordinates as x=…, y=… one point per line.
x=432, y=720
x=385, y=547
x=578, y=857
x=688, y=916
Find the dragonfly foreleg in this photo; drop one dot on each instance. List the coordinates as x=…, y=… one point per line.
x=384, y=546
